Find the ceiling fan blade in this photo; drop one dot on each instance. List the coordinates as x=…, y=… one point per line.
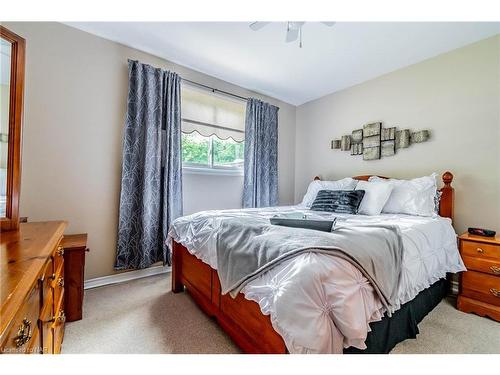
x=255, y=26
x=329, y=24
x=293, y=31
x=292, y=35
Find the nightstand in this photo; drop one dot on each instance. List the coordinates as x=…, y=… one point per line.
x=75, y=246
x=480, y=284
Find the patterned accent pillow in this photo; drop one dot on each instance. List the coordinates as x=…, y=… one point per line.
x=347, y=183
x=340, y=201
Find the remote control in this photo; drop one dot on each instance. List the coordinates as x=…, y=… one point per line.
x=482, y=232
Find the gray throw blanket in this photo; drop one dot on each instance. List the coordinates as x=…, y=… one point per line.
x=247, y=247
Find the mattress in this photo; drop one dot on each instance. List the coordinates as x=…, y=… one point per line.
x=319, y=303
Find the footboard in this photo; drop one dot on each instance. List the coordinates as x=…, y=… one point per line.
x=240, y=318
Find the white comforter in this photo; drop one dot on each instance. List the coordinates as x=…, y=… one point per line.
x=319, y=303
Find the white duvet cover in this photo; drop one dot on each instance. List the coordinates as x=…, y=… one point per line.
x=319, y=303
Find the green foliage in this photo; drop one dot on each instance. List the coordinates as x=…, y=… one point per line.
x=226, y=152
x=195, y=148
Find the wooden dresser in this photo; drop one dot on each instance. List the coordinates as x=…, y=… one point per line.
x=32, y=288
x=480, y=284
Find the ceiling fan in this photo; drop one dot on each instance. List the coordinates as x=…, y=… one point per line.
x=293, y=29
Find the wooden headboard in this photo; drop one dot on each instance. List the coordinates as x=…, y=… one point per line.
x=447, y=193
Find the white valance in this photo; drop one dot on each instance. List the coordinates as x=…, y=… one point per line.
x=212, y=114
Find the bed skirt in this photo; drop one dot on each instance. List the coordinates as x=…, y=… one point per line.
x=252, y=331
x=388, y=332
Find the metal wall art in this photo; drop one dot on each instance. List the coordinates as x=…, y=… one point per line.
x=374, y=141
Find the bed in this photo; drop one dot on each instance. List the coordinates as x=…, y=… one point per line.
x=278, y=312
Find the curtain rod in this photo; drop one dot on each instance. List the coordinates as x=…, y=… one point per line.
x=214, y=89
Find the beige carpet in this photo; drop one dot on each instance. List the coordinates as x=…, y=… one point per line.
x=143, y=316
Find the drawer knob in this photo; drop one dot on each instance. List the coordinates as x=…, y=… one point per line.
x=495, y=270
x=62, y=317
x=479, y=250
x=23, y=334
x=495, y=292
x=60, y=251
x=60, y=282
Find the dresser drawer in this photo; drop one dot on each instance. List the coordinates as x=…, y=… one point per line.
x=58, y=283
x=481, y=286
x=58, y=255
x=58, y=331
x=34, y=347
x=58, y=323
x=480, y=250
x=46, y=321
x=486, y=265
x=47, y=278
x=23, y=333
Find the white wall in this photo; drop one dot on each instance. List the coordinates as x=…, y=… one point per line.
x=456, y=95
x=75, y=103
x=208, y=192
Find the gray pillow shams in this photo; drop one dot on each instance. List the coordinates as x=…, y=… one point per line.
x=340, y=201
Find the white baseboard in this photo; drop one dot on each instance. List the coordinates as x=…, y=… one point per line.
x=125, y=276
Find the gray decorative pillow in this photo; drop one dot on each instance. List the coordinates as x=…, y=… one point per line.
x=340, y=201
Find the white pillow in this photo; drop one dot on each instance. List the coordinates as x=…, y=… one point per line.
x=315, y=186
x=376, y=196
x=411, y=197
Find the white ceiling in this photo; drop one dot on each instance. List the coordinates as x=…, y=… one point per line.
x=332, y=58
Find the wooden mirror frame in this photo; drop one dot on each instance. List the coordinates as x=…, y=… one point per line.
x=11, y=219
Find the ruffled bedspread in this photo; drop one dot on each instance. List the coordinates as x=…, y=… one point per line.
x=320, y=303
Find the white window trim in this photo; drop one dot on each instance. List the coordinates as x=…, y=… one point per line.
x=212, y=171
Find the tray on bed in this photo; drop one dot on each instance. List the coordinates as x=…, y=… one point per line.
x=322, y=225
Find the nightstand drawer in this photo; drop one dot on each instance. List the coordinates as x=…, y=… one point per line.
x=491, y=266
x=480, y=250
x=482, y=287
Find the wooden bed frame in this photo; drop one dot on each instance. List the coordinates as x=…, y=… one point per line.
x=240, y=318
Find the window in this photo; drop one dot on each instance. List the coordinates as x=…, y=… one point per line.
x=213, y=137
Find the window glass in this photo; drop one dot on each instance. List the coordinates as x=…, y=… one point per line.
x=212, y=130
x=227, y=152
x=195, y=149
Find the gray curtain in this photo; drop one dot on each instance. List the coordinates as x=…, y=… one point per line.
x=151, y=189
x=260, y=182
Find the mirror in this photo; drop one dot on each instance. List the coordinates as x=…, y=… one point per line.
x=5, y=62
x=12, y=51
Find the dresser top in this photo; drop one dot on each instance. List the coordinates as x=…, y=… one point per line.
x=470, y=237
x=23, y=253
x=74, y=241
